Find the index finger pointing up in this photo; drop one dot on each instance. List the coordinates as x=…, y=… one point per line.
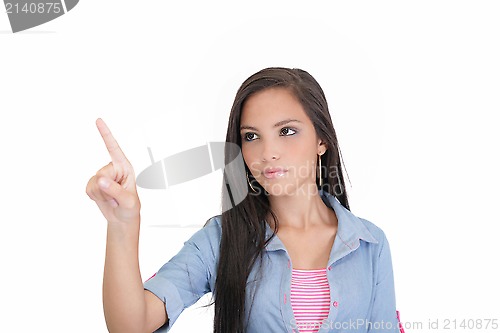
x=114, y=149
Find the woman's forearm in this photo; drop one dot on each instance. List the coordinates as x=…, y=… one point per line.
x=123, y=292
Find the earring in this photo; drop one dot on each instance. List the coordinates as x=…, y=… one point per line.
x=320, y=176
x=251, y=184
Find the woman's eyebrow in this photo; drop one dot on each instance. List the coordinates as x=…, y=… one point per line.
x=279, y=123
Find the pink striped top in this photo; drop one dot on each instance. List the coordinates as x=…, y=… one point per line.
x=310, y=298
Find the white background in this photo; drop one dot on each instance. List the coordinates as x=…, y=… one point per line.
x=413, y=89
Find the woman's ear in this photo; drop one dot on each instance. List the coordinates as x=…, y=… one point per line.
x=322, y=147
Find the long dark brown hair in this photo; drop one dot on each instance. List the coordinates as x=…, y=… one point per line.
x=243, y=225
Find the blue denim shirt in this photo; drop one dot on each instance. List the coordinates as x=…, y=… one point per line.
x=359, y=272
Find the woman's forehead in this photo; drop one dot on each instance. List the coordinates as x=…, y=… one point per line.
x=270, y=106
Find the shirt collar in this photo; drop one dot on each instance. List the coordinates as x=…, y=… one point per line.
x=350, y=230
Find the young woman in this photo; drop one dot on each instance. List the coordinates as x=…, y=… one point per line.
x=290, y=257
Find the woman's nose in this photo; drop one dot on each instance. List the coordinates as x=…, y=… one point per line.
x=269, y=151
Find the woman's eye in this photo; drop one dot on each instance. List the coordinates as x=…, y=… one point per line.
x=286, y=129
x=246, y=136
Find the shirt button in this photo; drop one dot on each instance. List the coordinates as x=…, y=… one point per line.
x=335, y=304
x=329, y=268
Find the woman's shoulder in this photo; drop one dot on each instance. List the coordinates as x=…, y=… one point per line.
x=374, y=229
x=209, y=235
x=352, y=225
x=213, y=223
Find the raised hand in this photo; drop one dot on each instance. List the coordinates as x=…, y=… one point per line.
x=113, y=187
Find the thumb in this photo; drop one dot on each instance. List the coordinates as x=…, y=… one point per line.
x=116, y=191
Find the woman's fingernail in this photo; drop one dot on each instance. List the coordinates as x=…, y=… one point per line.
x=104, y=183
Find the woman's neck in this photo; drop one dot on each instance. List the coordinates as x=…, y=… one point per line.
x=301, y=211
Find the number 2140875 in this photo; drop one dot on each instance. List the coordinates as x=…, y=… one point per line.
x=33, y=8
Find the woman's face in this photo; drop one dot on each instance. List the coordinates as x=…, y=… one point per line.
x=277, y=133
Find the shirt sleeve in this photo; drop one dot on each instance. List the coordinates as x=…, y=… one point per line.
x=185, y=278
x=383, y=314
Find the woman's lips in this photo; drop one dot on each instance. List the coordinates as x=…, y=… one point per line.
x=272, y=173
